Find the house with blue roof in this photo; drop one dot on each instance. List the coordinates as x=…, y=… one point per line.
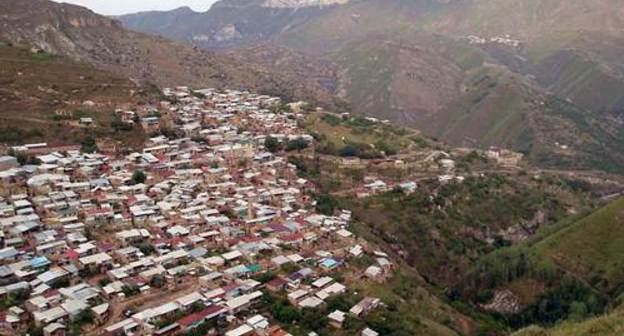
x=39, y=262
x=329, y=263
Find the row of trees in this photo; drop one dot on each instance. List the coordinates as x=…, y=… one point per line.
x=273, y=145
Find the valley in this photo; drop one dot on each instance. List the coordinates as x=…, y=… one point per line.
x=415, y=62
x=313, y=167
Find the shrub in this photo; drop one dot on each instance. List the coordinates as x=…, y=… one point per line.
x=326, y=205
x=88, y=145
x=313, y=319
x=285, y=313
x=139, y=177
x=349, y=151
x=272, y=145
x=297, y=144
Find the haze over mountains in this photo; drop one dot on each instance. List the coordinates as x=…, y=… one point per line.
x=81, y=35
x=543, y=77
x=488, y=243
x=477, y=73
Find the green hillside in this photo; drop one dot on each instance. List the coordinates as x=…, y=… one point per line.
x=495, y=109
x=529, y=20
x=369, y=72
x=587, y=82
x=445, y=235
x=568, y=271
x=611, y=324
x=592, y=248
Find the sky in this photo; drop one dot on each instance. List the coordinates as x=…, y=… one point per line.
x=117, y=7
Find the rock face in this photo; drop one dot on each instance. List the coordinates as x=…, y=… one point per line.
x=230, y=23
x=302, y=3
x=228, y=32
x=81, y=35
x=504, y=302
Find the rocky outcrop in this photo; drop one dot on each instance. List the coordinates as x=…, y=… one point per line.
x=504, y=302
x=79, y=34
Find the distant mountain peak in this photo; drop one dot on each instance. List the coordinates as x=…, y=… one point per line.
x=302, y=3
x=184, y=9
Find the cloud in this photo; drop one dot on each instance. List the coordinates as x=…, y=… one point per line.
x=117, y=7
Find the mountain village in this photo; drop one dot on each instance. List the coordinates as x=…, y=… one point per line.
x=311, y=168
x=179, y=237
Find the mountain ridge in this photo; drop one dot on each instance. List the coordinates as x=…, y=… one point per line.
x=82, y=35
x=410, y=62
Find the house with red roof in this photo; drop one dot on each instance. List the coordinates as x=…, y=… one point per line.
x=291, y=239
x=276, y=284
x=195, y=319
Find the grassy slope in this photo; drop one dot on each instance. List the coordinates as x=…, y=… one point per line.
x=33, y=87
x=608, y=325
x=586, y=81
x=500, y=108
x=572, y=53
x=492, y=111
x=343, y=133
x=368, y=69
x=80, y=34
x=592, y=248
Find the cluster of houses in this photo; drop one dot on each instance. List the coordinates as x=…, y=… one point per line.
x=176, y=236
x=503, y=40
x=373, y=185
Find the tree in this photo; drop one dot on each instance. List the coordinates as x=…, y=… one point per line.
x=139, y=177
x=314, y=319
x=285, y=313
x=103, y=282
x=290, y=268
x=338, y=302
x=63, y=282
x=349, y=151
x=119, y=125
x=158, y=281
x=272, y=144
x=146, y=248
x=388, y=323
x=84, y=317
x=578, y=311
x=386, y=148
x=197, y=307
x=130, y=290
x=16, y=298
x=265, y=277
x=88, y=145
x=34, y=330
x=326, y=205
x=297, y=144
